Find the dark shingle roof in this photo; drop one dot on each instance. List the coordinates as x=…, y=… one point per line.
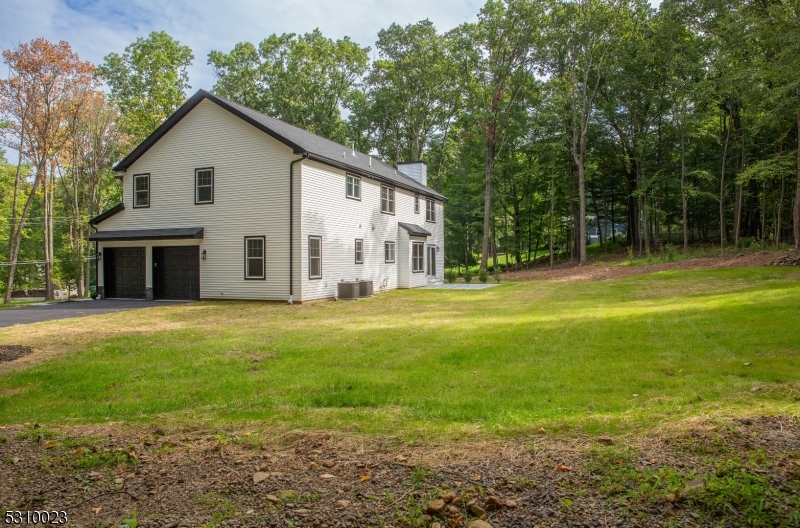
x=318, y=148
x=414, y=230
x=149, y=234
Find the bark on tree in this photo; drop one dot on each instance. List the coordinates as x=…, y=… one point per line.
x=12, y=250
x=722, y=189
x=683, y=193
x=796, y=219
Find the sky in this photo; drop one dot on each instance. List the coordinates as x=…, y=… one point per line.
x=95, y=28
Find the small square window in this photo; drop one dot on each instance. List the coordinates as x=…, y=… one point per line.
x=359, y=251
x=141, y=190
x=204, y=186
x=353, y=187
x=314, y=257
x=388, y=252
x=387, y=200
x=254, y=258
x=430, y=211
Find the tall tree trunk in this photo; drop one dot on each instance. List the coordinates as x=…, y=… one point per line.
x=487, y=202
x=722, y=189
x=12, y=255
x=582, y=205
x=15, y=243
x=796, y=213
x=553, y=206
x=48, y=256
x=683, y=192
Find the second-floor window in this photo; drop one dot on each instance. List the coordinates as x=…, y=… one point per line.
x=431, y=211
x=204, y=186
x=387, y=200
x=141, y=190
x=416, y=203
x=353, y=187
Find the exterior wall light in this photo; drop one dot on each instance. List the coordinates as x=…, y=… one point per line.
x=203, y=254
x=99, y=257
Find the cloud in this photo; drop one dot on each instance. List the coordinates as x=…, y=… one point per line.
x=96, y=28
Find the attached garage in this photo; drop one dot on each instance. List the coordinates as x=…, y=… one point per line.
x=176, y=273
x=125, y=272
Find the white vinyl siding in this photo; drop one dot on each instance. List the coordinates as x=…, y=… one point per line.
x=251, y=194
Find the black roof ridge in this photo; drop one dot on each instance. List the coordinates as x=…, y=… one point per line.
x=258, y=119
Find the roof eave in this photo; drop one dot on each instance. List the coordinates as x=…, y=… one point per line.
x=107, y=214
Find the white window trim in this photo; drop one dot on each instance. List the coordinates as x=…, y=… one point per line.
x=248, y=258
x=197, y=200
x=386, y=246
x=389, y=201
x=416, y=204
x=359, y=256
x=347, y=187
x=414, y=258
x=430, y=211
x=135, y=192
x=310, y=238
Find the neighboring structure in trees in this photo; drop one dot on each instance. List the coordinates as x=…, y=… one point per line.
x=223, y=202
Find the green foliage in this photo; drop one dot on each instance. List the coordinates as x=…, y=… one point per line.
x=483, y=275
x=467, y=275
x=450, y=275
x=147, y=81
x=303, y=80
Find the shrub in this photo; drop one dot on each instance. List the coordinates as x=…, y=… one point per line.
x=497, y=276
x=450, y=275
x=467, y=275
x=672, y=253
x=483, y=275
x=630, y=253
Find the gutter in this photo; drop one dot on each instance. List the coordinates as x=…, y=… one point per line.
x=291, y=225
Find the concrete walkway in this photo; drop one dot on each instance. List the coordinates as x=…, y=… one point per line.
x=461, y=286
x=64, y=310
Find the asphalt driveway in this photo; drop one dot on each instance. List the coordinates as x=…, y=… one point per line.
x=65, y=310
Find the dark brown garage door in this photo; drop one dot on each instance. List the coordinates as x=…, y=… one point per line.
x=124, y=272
x=176, y=273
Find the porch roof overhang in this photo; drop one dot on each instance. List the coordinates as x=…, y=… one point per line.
x=414, y=230
x=149, y=234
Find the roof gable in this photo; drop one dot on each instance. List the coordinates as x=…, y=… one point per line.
x=300, y=141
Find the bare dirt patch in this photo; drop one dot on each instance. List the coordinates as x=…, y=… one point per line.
x=693, y=475
x=13, y=352
x=570, y=271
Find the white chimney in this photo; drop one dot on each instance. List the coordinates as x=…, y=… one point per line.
x=416, y=170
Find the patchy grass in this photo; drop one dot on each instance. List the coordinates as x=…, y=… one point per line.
x=598, y=356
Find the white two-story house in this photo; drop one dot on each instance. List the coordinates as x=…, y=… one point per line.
x=223, y=202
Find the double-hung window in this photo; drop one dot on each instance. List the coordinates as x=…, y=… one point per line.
x=387, y=200
x=431, y=211
x=314, y=257
x=353, y=187
x=254, y=257
x=388, y=252
x=204, y=185
x=141, y=190
x=416, y=204
x=359, y=251
x=417, y=257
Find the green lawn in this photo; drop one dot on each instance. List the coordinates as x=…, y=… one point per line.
x=594, y=356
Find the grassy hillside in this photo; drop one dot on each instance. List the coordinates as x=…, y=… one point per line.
x=599, y=356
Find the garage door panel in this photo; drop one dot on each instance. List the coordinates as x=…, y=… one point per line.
x=179, y=273
x=125, y=272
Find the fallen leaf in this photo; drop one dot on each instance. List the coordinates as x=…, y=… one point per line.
x=563, y=468
x=364, y=478
x=327, y=476
x=96, y=510
x=48, y=444
x=312, y=465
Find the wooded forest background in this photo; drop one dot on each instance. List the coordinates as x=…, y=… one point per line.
x=682, y=123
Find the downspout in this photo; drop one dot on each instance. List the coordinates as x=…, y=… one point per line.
x=96, y=267
x=291, y=225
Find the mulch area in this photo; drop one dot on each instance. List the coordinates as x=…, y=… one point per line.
x=570, y=271
x=249, y=478
x=12, y=352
